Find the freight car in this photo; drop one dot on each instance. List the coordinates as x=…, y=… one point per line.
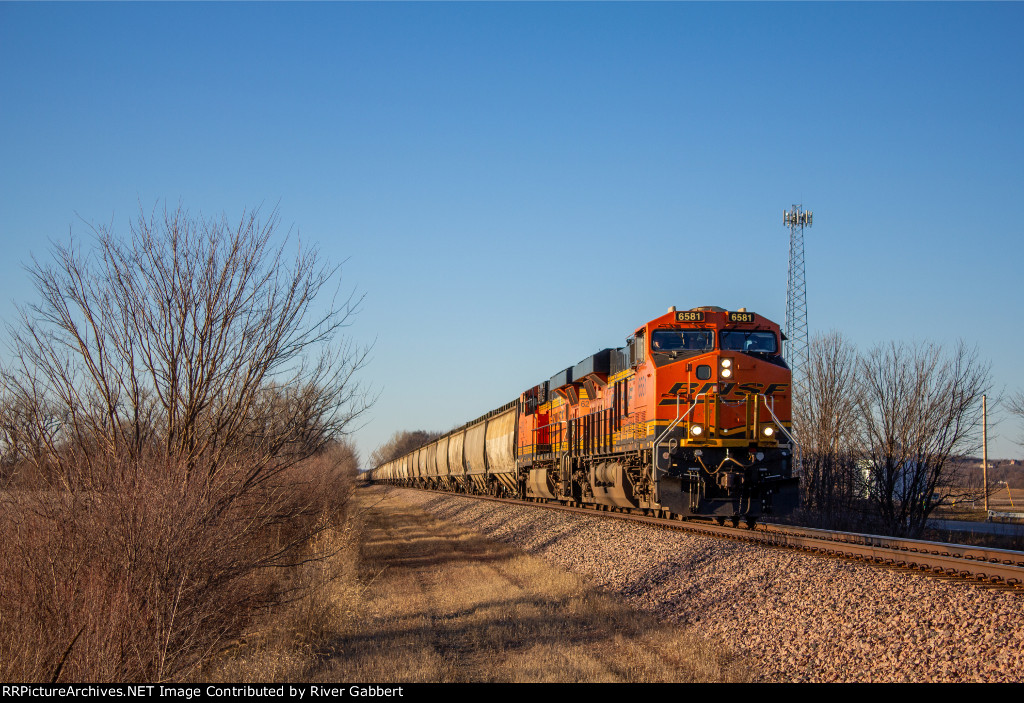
x=690, y=418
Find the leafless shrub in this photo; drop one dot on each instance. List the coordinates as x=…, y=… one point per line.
x=25, y=431
x=152, y=578
x=180, y=393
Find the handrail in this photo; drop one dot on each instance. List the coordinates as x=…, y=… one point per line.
x=678, y=419
x=675, y=423
x=782, y=428
x=556, y=425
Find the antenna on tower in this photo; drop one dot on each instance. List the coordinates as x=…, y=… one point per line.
x=795, y=349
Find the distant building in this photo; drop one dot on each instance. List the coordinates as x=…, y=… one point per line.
x=902, y=486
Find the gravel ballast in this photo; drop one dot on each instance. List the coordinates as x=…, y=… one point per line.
x=796, y=618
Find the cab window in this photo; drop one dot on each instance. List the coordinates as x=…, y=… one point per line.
x=682, y=340
x=750, y=341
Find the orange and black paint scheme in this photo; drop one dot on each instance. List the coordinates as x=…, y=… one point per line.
x=690, y=418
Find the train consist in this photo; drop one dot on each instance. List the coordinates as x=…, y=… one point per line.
x=690, y=418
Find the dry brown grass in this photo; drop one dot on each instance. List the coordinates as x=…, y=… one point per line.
x=149, y=576
x=443, y=604
x=285, y=645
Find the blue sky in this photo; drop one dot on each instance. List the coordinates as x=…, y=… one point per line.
x=516, y=185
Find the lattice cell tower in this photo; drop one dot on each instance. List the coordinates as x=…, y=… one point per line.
x=795, y=349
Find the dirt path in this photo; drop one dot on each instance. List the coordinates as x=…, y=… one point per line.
x=443, y=604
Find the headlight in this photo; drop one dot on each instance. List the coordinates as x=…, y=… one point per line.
x=768, y=431
x=696, y=430
x=726, y=363
x=726, y=373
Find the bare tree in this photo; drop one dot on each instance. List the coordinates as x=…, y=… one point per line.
x=169, y=343
x=401, y=443
x=827, y=424
x=919, y=406
x=175, y=385
x=1016, y=406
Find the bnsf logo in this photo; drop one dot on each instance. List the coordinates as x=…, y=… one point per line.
x=724, y=389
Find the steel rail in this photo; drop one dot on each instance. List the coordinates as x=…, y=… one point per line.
x=1000, y=568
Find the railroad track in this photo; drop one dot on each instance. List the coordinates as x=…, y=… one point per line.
x=991, y=568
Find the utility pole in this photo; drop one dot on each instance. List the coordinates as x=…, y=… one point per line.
x=795, y=348
x=984, y=450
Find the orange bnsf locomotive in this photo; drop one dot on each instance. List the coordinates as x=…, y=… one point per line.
x=690, y=418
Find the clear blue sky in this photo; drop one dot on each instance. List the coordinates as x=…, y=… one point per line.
x=517, y=185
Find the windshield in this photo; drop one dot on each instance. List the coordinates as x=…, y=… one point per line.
x=682, y=340
x=744, y=341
